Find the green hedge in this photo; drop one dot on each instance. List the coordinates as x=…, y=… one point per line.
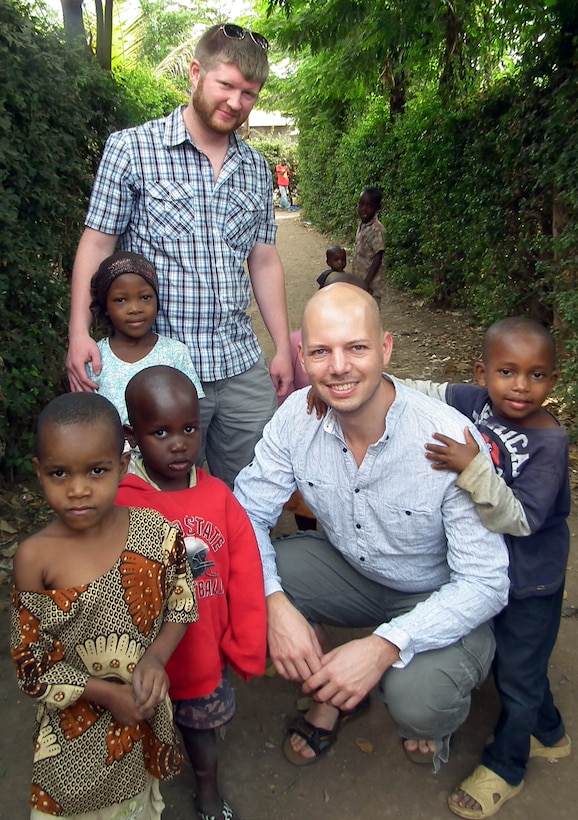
x=480, y=201
x=57, y=107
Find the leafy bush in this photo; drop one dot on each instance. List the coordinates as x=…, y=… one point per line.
x=480, y=200
x=144, y=95
x=57, y=107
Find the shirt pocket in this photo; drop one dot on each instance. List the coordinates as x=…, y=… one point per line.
x=244, y=214
x=411, y=530
x=322, y=497
x=171, y=209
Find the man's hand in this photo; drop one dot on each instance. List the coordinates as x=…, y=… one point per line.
x=451, y=455
x=281, y=372
x=293, y=645
x=350, y=671
x=80, y=351
x=93, y=249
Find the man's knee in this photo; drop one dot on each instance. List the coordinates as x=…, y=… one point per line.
x=431, y=697
x=297, y=565
x=425, y=708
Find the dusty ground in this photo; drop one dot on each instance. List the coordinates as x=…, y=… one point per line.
x=366, y=775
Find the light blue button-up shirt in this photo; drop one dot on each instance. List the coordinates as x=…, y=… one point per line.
x=394, y=518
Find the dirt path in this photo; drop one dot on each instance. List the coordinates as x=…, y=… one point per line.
x=366, y=775
x=427, y=344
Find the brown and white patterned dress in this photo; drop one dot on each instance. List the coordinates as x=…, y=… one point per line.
x=84, y=760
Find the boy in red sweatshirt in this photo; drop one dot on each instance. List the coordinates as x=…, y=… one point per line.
x=164, y=424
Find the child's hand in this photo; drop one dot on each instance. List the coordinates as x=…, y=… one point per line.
x=313, y=401
x=123, y=706
x=150, y=682
x=450, y=454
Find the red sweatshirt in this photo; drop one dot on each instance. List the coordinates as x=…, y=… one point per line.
x=223, y=553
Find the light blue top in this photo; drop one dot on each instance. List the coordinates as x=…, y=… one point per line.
x=116, y=373
x=393, y=518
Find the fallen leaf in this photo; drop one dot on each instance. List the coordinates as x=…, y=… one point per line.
x=364, y=745
x=9, y=552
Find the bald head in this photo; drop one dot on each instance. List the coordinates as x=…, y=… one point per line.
x=344, y=352
x=336, y=301
x=156, y=384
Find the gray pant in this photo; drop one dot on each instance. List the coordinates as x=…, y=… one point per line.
x=233, y=414
x=430, y=697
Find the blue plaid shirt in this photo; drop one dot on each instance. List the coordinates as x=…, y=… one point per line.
x=156, y=190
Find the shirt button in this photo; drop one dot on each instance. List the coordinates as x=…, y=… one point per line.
x=356, y=490
x=361, y=558
x=345, y=449
x=358, y=526
x=408, y=512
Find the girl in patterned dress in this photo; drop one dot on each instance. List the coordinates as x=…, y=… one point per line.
x=102, y=596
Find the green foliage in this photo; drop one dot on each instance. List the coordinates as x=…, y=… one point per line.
x=50, y=138
x=480, y=204
x=145, y=96
x=165, y=28
x=56, y=109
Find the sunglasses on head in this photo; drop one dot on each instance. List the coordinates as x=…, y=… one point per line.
x=234, y=32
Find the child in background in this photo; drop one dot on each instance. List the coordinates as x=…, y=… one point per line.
x=527, y=498
x=165, y=425
x=125, y=302
x=102, y=597
x=368, y=262
x=336, y=259
x=283, y=170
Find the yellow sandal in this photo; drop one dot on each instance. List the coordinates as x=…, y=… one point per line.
x=481, y=786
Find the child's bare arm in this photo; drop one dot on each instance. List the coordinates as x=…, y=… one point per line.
x=373, y=268
x=119, y=699
x=451, y=454
x=149, y=679
x=28, y=568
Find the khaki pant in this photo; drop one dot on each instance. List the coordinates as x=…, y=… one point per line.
x=233, y=414
x=427, y=699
